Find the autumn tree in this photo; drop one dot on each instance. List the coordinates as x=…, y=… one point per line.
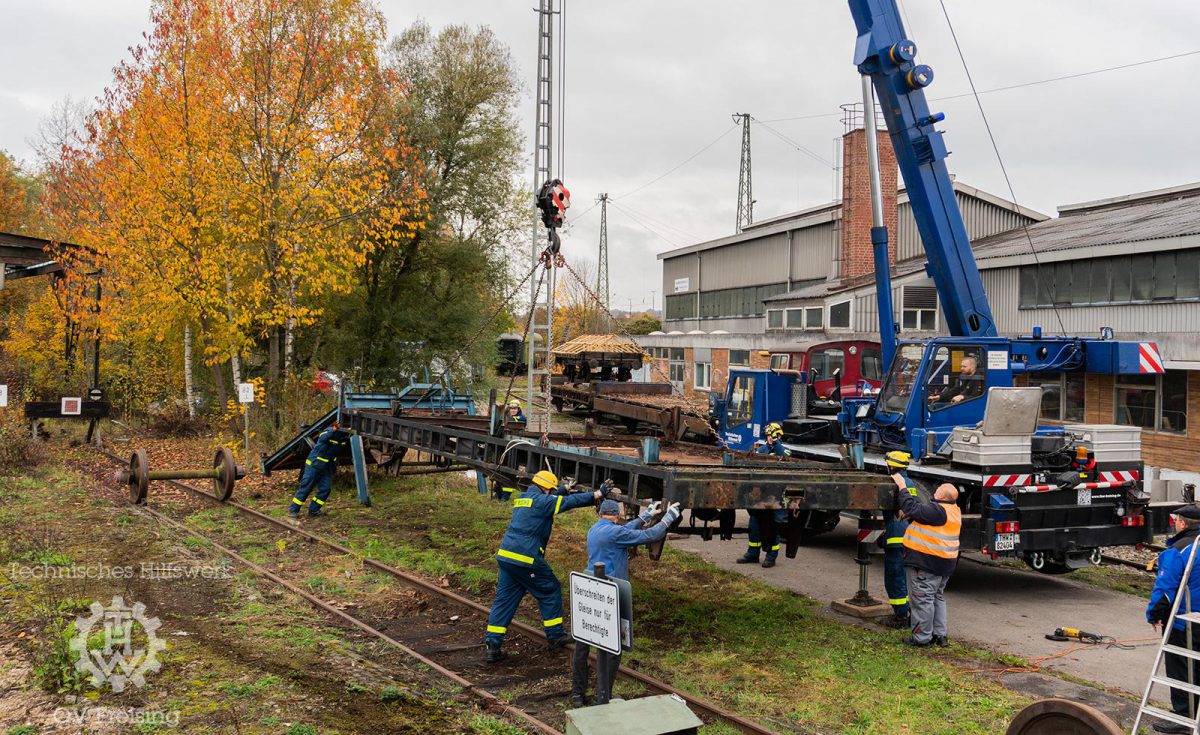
x=430, y=295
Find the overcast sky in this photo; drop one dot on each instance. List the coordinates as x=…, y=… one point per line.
x=651, y=83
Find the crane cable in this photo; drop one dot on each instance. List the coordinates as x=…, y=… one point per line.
x=1004, y=170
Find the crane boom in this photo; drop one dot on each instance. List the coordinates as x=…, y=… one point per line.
x=884, y=53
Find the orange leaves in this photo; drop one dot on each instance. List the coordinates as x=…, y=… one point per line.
x=241, y=166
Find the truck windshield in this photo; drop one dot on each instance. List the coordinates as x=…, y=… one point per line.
x=901, y=379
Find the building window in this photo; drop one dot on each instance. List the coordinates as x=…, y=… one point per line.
x=682, y=306
x=808, y=317
x=775, y=319
x=741, y=401
x=732, y=302
x=1138, y=278
x=676, y=365
x=1062, y=395
x=839, y=315
x=739, y=357
x=919, y=309
x=1153, y=402
x=703, y=375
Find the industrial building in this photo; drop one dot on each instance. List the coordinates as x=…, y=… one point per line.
x=1131, y=263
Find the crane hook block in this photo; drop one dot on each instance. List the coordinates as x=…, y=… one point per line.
x=919, y=76
x=553, y=200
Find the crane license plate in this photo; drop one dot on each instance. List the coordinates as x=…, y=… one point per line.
x=1005, y=542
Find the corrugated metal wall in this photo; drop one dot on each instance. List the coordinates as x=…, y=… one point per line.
x=982, y=219
x=813, y=250
x=682, y=267
x=751, y=263
x=1183, y=318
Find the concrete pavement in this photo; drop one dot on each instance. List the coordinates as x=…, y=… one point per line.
x=1000, y=608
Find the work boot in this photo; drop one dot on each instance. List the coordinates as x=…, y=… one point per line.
x=912, y=641
x=941, y=641
x=1171, y=727
x=580, y=700
x=494, y=654
x=317, y=512
x=768, y=563
x=560, y=642
x=899, y=622
x=747, y=559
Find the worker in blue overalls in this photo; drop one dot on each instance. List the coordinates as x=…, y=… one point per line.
x=895, y=524
x=522, y=561
x=318, y=471
x=760, y=518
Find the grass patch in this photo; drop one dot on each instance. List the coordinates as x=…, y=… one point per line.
x=756, y=649
x=1118, y=579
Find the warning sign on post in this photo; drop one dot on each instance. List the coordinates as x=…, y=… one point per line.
x=245, y=392
x=596, y=612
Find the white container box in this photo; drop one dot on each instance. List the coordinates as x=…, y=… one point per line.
x=1109, y=442
x=973, y=447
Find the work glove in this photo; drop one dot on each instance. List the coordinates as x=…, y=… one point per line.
x=672, y=514
x=606, y=488
x=650, y=511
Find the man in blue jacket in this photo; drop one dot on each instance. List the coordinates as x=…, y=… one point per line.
x=760, y=518
x=609, y=543
x=1171, y=563
x=522, y=562
x=318, y=471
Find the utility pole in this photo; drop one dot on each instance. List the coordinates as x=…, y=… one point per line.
x=602, y=287
x=745, y=203
x=542, y=160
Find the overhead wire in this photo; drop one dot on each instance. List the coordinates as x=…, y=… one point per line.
x=1003, y=169
x=1009, y=87
x=679, y=165
x=816, y=157
x=661, y=223
x=644, y=225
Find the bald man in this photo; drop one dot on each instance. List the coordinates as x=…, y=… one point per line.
x=930, y=557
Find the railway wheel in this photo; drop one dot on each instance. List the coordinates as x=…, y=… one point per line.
x=1062, y=717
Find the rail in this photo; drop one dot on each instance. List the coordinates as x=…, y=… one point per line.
x=713, y=711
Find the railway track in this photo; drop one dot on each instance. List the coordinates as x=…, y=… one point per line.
x=432, y=628
x=1142, y=566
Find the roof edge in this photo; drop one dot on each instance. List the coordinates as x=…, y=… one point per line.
x=1169, y=192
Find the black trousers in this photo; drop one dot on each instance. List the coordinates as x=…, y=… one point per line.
x=1177, y=668
x=606, y=671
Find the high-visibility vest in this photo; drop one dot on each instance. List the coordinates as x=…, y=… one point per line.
x=940, y=541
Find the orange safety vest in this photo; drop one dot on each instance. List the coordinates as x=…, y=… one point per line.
x=940, y=541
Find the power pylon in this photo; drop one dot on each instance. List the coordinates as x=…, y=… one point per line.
x=602, y=287
x=745, y=204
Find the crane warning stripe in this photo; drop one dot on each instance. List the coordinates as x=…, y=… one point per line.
x=867, y=536
x=1149, y=361
x=1005, y=480
x=1119, y=476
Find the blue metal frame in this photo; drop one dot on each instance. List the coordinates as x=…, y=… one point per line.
x=886, y=55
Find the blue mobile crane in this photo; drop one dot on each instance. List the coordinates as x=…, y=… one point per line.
x=1052, y=495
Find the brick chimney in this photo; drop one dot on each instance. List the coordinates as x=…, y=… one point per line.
x=857, y=257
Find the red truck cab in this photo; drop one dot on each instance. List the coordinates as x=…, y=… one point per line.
x=860, y=363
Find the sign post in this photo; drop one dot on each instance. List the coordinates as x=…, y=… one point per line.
x=601, y=612
x=246, y=397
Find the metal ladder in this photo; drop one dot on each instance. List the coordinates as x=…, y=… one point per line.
x=539, y=351
x=1145, y=708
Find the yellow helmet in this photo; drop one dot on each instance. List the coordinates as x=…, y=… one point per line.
x=774, y=430
x=514, y=403
x=546, y=479
x=898, y=460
